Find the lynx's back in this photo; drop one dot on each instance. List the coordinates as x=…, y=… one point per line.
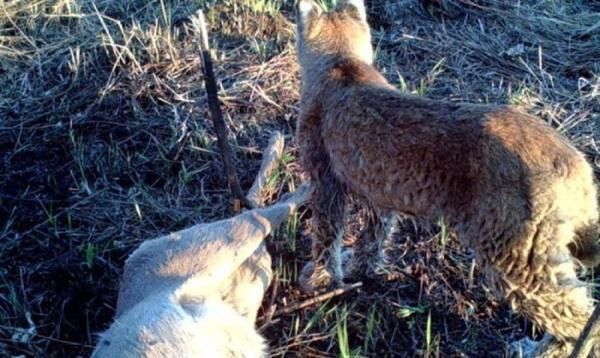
x=446, y=157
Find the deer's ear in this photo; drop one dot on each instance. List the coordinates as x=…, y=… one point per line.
x=306, y=10
x=358, y=5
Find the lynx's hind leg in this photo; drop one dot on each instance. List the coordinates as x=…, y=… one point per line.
x=388, y=225
x=585, y=246
x=579, y=198
x=372, y=252
x=537, y=274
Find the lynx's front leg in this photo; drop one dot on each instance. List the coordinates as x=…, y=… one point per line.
x=328, y=207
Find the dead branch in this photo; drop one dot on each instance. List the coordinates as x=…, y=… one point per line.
x=199, y=26
x=317, y=299
x=271, y=157
x=269, y=311
x=588, y=336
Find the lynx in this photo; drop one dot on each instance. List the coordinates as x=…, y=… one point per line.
x=512, y=188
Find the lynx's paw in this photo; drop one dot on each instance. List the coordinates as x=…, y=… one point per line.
x=553, y=350
x=350, y=266
x=386, y=268
x=547, y=347
x=314, y=279
x=523, y=348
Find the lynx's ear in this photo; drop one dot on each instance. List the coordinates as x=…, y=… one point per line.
x=306, y=10
x=359, y=5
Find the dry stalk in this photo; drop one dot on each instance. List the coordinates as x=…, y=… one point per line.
x=318, y=299
x=199, y=25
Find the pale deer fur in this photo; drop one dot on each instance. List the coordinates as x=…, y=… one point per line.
x=513, y=189
x=196, y=292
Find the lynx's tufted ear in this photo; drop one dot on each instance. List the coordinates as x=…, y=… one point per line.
x=359, y=5
x=306, y=10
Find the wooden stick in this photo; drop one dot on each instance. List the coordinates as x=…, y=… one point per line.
x=589, y=336
x=271, y=156
x=317, y=299
x=199, y=25
x=270, y=310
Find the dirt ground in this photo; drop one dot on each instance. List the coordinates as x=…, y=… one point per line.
x=105, y=142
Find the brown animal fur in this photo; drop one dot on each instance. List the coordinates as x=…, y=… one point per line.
x=513, y=189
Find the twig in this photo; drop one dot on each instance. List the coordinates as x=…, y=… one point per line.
x=270, y=310
x=199, y=25
x=315, y=337
x=586, y=340
x=317, y=299
x=271, y=157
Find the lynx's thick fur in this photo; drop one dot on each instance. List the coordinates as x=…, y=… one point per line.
x=515, y=191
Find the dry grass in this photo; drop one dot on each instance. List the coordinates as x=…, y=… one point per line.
x=105, y=142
